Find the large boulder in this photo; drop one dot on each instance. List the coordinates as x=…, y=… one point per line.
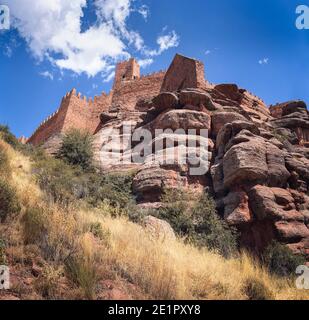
x=236, y=208
x=274, y=204
x=196, y=98
x=182, y=119
x=294, y=106
x=254, y=161
x=165, y=101
x=151, y=180
x=231, y=91
x=245, y=163
x=219, y=119
x=158, y=228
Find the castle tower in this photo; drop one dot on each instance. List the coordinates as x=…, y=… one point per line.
x=126, y=71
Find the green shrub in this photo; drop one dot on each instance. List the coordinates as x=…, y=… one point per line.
x=255, y=289
x=97, y=230
x=7, y=136
x=198, y=220
x=77, y=149
x=280, y=259
x=115, y=188
x=67, y=184
x=9, y=203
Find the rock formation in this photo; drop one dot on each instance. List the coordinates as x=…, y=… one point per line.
x=256, y=159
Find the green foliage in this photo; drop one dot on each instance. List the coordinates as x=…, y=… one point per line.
x=7, y=136
x=9, y=203
x=77, y=149
x=97, y=230
x=67, y=185
x=198, y=220
x=62, y=183
x=280, y=259
x=255, y=289
x=115, y=188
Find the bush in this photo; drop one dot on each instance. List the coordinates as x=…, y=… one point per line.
x=7, y=136
x=77, y=149
x=114, y=188
x=66, y=184
x=97, y=230
x=198, y=220
x=60, y=181
x=256, y=289
x=280, y=259
x=9, y=203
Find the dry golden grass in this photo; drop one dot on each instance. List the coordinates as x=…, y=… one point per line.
x=162, y=269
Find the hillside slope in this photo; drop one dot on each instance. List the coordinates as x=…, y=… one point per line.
x=77, y=252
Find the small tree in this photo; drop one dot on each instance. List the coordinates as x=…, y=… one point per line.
x=77, y=149
x=197, y=219
x=280, y=259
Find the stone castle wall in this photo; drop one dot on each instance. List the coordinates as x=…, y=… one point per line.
x=75, y=112
x=129, y=87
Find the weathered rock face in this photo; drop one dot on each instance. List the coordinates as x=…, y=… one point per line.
x=294, y=117
x=256, y=165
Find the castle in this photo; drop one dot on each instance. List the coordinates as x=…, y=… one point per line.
x=77, y=111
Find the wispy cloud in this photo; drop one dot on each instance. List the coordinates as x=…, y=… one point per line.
x=145, y=62
x=264, y=61
x=165, y=42
x=47, y=74
x=207, y=52
x=144, y=12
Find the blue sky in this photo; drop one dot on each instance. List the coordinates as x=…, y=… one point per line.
x=45, y=54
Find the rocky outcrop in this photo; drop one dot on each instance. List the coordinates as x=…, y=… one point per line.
x=254, y=160
x=255, y=164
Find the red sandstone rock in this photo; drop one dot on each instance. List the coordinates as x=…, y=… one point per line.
x=219, y=119
x=192, y=97
x=166, y=100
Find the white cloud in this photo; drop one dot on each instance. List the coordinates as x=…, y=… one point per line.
x=165, y=42
x=168, y=41
x=264, y=61
x=145, y=62
x=109, y=77
x=144, y=12
x=52, y=30
x=47, y=74
x=207, y=52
